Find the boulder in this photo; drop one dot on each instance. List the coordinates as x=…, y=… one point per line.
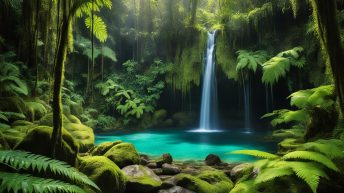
x=176, y=189
x=38, y=141
x=168, y=169
x=141, y=179
x=82, y=134
x=102, y=148
x=214, y=181
x=165, y=158
x=212, y=160
x=104, y=173
x=144, y=159
x=169, y=182
x=123, y=154
x=152, y=165
x=241, y=170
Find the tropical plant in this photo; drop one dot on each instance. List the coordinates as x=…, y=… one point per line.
x=248, y=60
x=10, y=82
x=308, y=166
x=40, y=174
x=278, y=66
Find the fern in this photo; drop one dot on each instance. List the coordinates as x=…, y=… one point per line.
x=273, y=173
x=15, y=182
x=99, y=27
x=250, y=60
x=108, y=53
x=333, y=148
x=278, y=66
x=34, y=108
x=309, y=172
x=38, y=163
x=256, y=153
x=312, y=156
x=244, y=187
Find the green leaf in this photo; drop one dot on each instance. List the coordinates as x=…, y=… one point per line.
x=99, y=27
x=256, y=153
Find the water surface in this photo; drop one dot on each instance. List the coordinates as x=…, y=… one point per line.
x=186, y=145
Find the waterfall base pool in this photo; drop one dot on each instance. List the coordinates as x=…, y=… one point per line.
x=186, y=145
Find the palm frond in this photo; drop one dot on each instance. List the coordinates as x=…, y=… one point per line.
x=99, y=27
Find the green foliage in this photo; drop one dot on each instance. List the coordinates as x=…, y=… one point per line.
x=332, y=148
x=248, y=60
x=305, y=165
x=99, y=26
x=35, y=164
x=35, y=108
x=10, y=81
x=278, y=66
x=132, y=96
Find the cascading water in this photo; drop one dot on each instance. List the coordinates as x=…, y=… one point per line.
x=208, y=114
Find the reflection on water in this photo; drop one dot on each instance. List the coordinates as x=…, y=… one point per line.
x=186, y=145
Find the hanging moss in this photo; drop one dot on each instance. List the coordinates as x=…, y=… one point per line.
x=225, y=57
x=188, y=65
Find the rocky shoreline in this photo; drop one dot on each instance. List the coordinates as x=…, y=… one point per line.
x=112, y=164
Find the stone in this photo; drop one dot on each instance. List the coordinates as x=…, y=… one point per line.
x=212, y=160
x=241, y=170
x=169, y=182
x=214, y=181
x=152, y=165
x=144, y=159
x=165, y=158
x=141, y=179
x=123, y=154
x=176, y=189
x=106, y=174
x=102, y=148
x=168, y=169
x=157, y=171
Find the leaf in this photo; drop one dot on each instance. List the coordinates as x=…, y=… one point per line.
x=274, y=69
x=99, y=27
x=312, y=156
x=272, y=173
x=256, y=153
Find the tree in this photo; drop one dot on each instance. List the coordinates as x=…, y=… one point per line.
x=324, y=13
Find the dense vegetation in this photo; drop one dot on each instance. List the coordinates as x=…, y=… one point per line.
x=71, y=68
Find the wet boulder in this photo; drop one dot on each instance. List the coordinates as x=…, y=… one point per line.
x=168, y=169
x=141, y=179
x=241, y=170
x=212, y=160
x=166, y=158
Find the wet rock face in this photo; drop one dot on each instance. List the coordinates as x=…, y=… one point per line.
x=141, y=179
x=165, y=158
x=212, y=160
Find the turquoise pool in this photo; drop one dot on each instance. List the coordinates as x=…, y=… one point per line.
x=186, y=145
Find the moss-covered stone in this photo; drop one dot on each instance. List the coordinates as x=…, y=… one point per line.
x=104, y=173
x=38, y=141
x=123, y=154
x=83, y=135
x=102, y=148
x=213, y=181
x=241, y=171
x=141, y=179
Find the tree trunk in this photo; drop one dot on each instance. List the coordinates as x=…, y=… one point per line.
x=325, y=15
x=58, y=81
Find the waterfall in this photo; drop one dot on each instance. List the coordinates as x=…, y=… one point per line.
x=208, y=114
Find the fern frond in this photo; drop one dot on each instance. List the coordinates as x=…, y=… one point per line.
x=99, y=27
x=312, y=156
x=256, y=153
x=15, y=182
x=109, y=53
x=250, y=60
x=269, y=174
x=333, y=148
x=274, y=69
x=38, y=163
x=309, y=172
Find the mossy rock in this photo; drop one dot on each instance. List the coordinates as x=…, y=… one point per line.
x=82, y=134
x=12, y=137
x=102, y=148
x=213, y=181
x=76, y=108
x=38, y=141
x=74, y=119
x=104, y=173
x=48, y=120
x=241, y=171
x=123, y=154
x=141, y=179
